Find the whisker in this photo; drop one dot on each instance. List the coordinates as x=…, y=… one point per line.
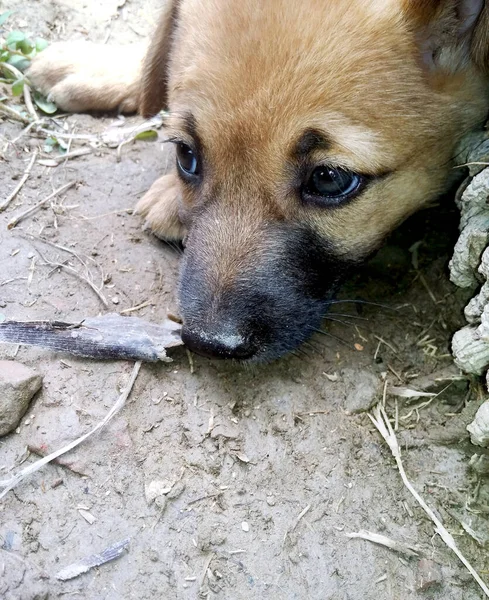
x=331, y=320
x=335, y=337
x=362, y=302
x=347, y=315
x=310, y=344
x=175, y=246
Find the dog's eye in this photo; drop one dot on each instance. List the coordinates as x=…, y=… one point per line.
x=187, y=160
x=331, y=186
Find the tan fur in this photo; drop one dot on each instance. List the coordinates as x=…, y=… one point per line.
x=254, y=84
x=160, y=206
x=81, y=76
x=255, y=75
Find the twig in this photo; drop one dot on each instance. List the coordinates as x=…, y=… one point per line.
x=73, y=154
x=190, y=361
x=13, y=70
x=94, y=560
x=206, y=567
x=29, y=104
x=31, y=236
x=26, y=130
x=26, y=90
x=427, y=288
x=126, y=311
x=24, y=178
x=382, y=423
x=75, y=273
x=14, y=114
x=16, y=220
x=382, y=341
x=382, y=540
x=301, y=515
x=9, y=484
x=469, y=164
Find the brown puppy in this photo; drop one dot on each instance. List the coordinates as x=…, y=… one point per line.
x=304, y=132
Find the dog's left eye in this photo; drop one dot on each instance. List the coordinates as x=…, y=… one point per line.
x=187, y=160
x=331, y=186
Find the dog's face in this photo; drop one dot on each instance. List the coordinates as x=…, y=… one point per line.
x=305, y=132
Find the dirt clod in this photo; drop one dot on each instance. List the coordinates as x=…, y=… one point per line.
x=364, y=390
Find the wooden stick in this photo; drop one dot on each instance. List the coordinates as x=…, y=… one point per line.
x=14, y=114
x=9, y=484
x=24, y=178
x=16, y=220
x=381, y=421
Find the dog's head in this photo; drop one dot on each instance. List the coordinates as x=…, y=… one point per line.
x=305, y=132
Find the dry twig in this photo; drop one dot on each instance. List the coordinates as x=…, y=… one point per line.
x=382, y=540
x=381, y=421
x=16, y=220
x=9, y=484
x=24, y=178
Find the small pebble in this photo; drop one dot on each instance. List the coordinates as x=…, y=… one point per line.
x=245, y=526
x=153, y=556
x=115, y=300
x=271, y=501
x=428, y=575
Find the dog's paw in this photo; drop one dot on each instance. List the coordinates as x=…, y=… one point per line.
x=82, y=76
x=159, y=207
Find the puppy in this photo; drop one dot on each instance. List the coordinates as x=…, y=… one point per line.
x=304, y=133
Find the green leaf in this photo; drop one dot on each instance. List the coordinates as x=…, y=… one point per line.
x=49, y=144
x=25, y=46
x=4, y=16
x=14, y=38
x=18, y=61
x=41, y=44
x=45, y=105
x=4, y=54
x=18, y=87
x=150, y=134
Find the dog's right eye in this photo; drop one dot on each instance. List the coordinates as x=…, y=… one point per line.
x=331, y=186
x=187, y=160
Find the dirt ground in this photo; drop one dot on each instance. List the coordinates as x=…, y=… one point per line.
x=270, y=470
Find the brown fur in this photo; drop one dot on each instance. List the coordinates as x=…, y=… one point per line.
x=392, y=85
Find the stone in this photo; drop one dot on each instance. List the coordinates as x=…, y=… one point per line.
x=470, y=351
x=363, y=390
x=479, y=428
x=428, y=575
x=155, y=489
x=18, y=384
x=479, y=463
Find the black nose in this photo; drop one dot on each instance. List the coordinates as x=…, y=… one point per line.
x=218, y=344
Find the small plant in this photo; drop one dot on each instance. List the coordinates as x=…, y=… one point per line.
x=16, y=52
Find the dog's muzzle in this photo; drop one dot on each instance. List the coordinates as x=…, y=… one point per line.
x=258, y=298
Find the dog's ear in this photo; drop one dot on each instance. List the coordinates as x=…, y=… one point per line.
x=154, y=89
x=451, y=33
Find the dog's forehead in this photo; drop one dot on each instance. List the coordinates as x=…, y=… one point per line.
x=271, y=67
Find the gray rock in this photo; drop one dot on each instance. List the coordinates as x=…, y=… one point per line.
x=479, y=428
x=18, y=384
x=363, y=390
x=428, y=576
x=479, y=463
